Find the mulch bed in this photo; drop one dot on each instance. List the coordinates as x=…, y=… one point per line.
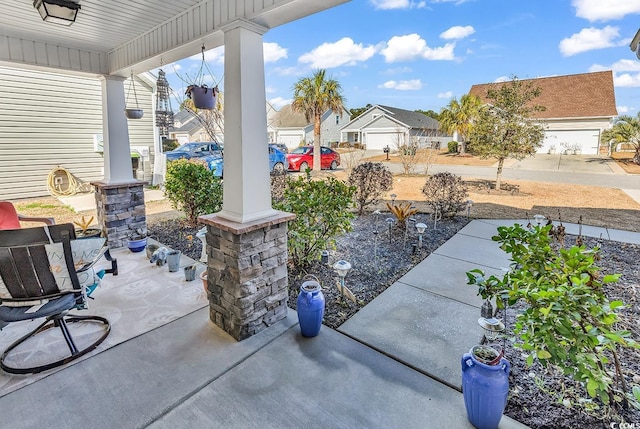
x=379, y=259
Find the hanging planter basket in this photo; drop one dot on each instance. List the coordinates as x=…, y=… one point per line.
x=203, y=97
x=132, y=113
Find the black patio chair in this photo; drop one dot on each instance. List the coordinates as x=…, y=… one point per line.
x=30, y=289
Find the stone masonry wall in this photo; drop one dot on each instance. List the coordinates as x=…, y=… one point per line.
x=121, y=211
x=247, y=276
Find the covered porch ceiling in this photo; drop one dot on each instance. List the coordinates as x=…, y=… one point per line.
x=118, y=37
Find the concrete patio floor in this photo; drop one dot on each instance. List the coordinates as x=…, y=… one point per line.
x=395, y=364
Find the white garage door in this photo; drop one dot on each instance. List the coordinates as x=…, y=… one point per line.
x=292, y=140
x=377, y=141
x=584, y=140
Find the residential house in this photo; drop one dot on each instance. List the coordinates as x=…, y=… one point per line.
x=188, y=128
x=578, y=108
x=292, y=129
x=384, y=126
x=50, y=120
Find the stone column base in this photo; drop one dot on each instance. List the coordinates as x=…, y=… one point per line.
x=247, y=273
x=121, y=210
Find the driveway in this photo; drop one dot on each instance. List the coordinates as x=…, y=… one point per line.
x=571, y=163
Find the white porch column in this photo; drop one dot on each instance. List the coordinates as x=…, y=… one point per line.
x=247, y=191
x=117, y=152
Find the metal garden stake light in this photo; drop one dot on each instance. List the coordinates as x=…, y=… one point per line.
x=393, y=199
x=492, y=327
x=341, y=268
x=390, y=222
x=469, y=204
x=421, y=227
x=539, y=218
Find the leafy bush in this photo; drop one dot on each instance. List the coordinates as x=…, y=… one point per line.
x=192, y=188
x=278, y=185
x=322, y=212
x=372, y=180
x=569, y=322
x=445, y=193
x=169, y=145
x=452, y=147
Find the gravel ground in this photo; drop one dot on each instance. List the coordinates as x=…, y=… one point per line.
x=379, y=259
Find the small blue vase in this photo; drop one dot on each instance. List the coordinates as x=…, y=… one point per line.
x=310, y=306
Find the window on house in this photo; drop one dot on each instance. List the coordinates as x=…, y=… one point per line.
x=355, y=137
x=337, y=119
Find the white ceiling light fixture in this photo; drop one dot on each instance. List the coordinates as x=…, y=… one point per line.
x=62, y=12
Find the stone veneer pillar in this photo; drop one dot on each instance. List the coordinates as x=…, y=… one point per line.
x=121, y=210
x=247, y=273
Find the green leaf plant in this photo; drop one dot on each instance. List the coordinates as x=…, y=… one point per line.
x=568, y=322
x=322, y=213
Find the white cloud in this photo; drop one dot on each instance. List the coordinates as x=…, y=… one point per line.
x=403, y=85
x=457, y=32
x=273, y=52
x=412, y=46
x=502, y=79
x=619, y=66
x=589, y=39
x=342, y=52
x=269, y=90
x=623, y=109
x=397, y=70
x=446, y=95
x=289, y=71
x=398, y=4
x=626, y=80
x=605, y=10
x=280, y=102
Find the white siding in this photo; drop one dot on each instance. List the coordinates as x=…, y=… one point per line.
x=49, y=120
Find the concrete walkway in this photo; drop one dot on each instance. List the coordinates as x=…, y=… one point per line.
x=395, y=364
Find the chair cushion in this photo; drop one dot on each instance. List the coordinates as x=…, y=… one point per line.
x=4, y=293
x=84, y=252
x=54, y=306
x=8, y=216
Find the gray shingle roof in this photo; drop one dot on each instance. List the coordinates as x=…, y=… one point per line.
x=411, y=118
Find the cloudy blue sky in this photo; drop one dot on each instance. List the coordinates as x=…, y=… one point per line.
x=415, y=54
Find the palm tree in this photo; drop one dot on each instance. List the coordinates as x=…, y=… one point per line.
x=312, y=96
x=458, y=117
x=626, y=129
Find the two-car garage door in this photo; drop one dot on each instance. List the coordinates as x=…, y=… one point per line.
x=587, y=141
x=378, y=141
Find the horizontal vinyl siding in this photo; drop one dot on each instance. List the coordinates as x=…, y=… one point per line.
x=49, y=120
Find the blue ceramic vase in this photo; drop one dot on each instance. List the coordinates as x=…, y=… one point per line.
x=310, y=306
x=485, y=389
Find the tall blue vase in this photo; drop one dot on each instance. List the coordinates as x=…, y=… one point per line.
x=485, y=389
x=310, y=306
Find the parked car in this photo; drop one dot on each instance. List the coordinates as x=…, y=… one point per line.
x=301, y=158
x=281, y=146
x=195, y=150
x=277, y=162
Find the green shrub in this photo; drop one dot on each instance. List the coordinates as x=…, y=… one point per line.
x=322, y=213
x=371, y=180
x=569, y=322
x=452, y=147
x=169, y=145
x=192, y=188
x=445, y=193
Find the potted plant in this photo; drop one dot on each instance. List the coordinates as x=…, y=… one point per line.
x=137, y=240
x=202, y=96
x=84, y=231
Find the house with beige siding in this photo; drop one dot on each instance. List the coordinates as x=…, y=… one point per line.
x=292, y=129
x=578, y=108
x=50, y=120
x=381, y=126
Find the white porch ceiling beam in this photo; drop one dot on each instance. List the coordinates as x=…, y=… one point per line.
x=184, y=35
x=40, y=54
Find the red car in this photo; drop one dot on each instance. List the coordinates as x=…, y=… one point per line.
x=301, y=158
